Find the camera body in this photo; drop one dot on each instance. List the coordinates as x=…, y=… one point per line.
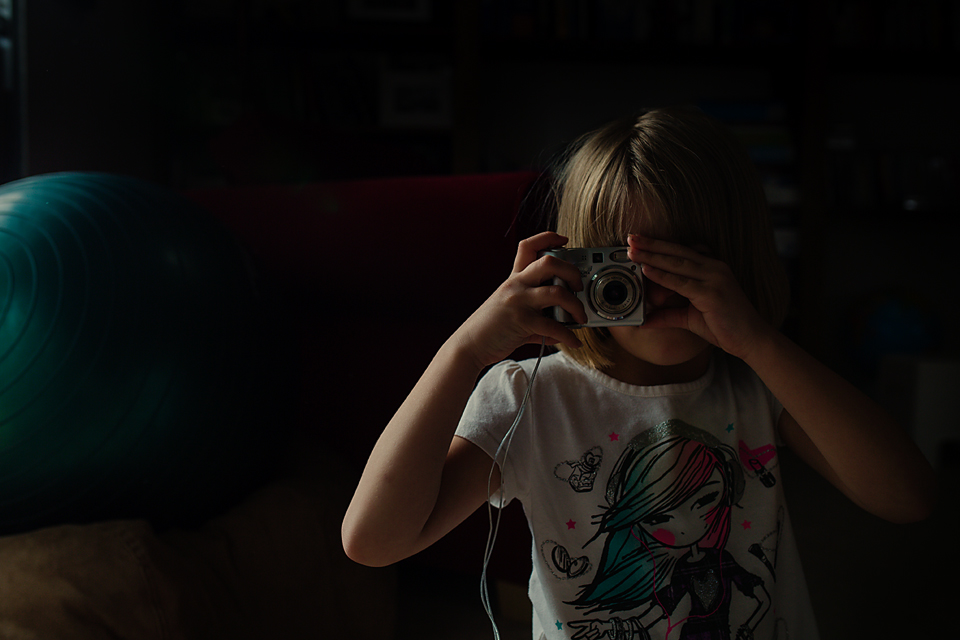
x=612, y=287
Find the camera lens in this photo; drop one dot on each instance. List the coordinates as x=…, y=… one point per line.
x=615, y=293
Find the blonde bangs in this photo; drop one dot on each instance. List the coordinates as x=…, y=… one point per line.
x=599, y=197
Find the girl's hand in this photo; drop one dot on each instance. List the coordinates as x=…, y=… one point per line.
x=513, y=315
x=719, y=310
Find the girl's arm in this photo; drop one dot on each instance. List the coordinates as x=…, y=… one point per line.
x=420, y=482
x=834, y=427
x=844, y=435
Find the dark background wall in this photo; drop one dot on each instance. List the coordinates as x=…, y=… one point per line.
x=849, y=108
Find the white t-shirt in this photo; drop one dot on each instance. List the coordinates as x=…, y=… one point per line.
x=654, y=510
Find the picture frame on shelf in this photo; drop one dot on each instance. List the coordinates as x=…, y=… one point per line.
x=416, y=97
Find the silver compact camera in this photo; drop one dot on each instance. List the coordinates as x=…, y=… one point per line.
x=612, y=287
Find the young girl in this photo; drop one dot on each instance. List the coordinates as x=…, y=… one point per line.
x=646, y=456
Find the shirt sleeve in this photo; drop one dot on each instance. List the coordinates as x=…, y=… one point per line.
x=488, y=417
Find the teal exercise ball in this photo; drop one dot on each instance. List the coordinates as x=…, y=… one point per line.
x=129, y=359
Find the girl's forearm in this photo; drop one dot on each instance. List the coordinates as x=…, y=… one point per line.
x=420, y=481
x=869, y=456
x=401, y=482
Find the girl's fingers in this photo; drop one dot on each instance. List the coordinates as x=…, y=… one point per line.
x=668, y=257
x=663, y=276
x=531, y=324
x=548, y=269
x=686, y=286
x=528, y=251
x=558, y=296
x=520, y=307
x=556, y=333
x=694, y=261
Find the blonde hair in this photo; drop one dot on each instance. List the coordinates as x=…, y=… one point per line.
x=681, y=176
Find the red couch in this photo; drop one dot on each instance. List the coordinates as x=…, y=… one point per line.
x=370, y=277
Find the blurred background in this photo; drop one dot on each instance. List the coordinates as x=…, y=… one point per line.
x=849, y=109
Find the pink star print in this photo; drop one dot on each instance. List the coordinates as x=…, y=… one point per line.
x=614, y=437
x=746, y=524
x=571, y=524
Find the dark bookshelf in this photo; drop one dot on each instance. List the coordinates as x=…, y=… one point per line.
x=266, y=92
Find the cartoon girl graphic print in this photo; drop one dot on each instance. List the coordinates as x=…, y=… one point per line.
x=670, y=495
